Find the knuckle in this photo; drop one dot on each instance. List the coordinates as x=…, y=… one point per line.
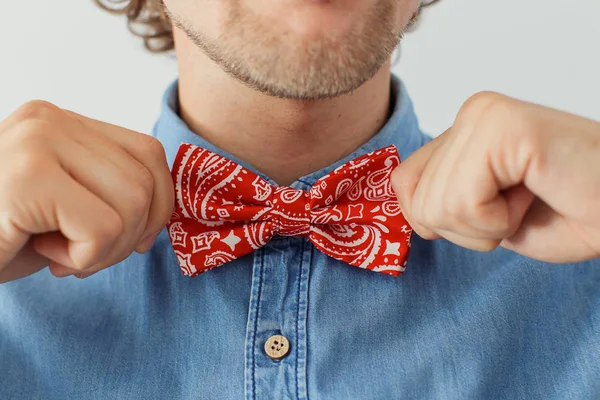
x=111, y=228
x=404, y=187
x=145, y=181
x=500, y=225
x=481, y=101
x=105, y=236
x=32, y=132
x=456, y=208
x=425, y=233
x=430, y=218
x=416, y=213
x=470, y=211
x=38, y=110
x=140, y=195
x=29, y=165
x=499, y=118
x=480, y=214
x=85, y=261
x=485, y=109
x=507, y=229
x=499, y=110
x=152, y=146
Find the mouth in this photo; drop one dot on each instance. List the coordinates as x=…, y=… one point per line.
x=314, y=18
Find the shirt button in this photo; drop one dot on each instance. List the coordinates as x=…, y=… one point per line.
x=277, y=347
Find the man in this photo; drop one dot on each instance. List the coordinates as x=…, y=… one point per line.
x=292, y=91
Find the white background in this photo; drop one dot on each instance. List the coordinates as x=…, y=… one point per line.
x=79, y=57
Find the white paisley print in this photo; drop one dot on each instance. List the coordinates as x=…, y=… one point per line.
x=223, y=211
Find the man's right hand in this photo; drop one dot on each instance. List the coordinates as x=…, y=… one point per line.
x=76, y=194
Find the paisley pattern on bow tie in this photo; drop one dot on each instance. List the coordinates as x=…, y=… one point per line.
x=224, y=211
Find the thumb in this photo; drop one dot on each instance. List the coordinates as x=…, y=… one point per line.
x=17, y=256
x=565, y=168
x=12, y=240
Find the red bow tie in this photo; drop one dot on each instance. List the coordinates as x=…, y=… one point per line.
x=223, y=211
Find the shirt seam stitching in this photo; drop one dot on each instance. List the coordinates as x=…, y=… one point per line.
x=298, y=316
x=258, y=296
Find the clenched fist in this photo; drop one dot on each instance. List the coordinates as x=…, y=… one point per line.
x=76, y=194
x=508, y=173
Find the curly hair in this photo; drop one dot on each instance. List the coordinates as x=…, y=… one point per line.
x=148, y=20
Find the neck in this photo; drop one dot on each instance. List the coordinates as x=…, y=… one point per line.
x=284, y=139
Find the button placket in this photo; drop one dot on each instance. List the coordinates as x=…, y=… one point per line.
x=274, y=312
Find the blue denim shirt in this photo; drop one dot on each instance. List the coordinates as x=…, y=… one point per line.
x=457, y=324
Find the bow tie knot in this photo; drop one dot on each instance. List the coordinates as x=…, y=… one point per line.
x=290, y=213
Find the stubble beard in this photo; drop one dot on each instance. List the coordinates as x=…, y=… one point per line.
x=282, y=65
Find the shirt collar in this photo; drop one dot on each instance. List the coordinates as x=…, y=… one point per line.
x=401, y=130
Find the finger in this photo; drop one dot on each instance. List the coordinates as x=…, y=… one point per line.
x=433, y=199
x=26, y=262
x=57, y=246
x=84, y=275
x=439, y=201
x=12, y=239
x=428, y=201
x=481, y=240
x=62, y=271
x=477, y=244
x=405, y=179
x=512, y=205
x=89, y=224
x=420, y=230
x=566, y=164
x=126, y=187
x=136, y=172
x=463, y=189
x=403, y=187
x=518, y=199
x=542, y=236
x=484, y=197
x=150, y=153
x=410, y=170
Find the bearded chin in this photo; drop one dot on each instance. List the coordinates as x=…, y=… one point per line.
x=284, y=65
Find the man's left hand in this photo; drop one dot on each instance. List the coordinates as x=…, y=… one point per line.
x=508, y=173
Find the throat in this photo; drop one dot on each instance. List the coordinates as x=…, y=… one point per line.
x=284, y=139
x=286, y=154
